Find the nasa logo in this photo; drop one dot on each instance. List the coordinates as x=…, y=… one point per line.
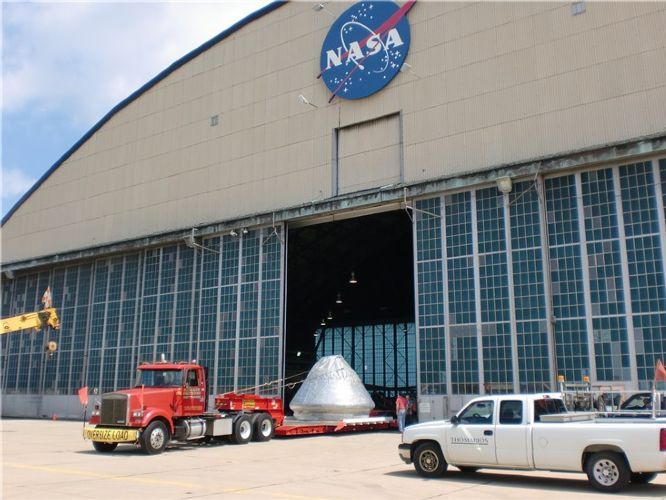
x=365, y=48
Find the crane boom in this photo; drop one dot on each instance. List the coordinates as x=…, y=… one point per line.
x=36, y=320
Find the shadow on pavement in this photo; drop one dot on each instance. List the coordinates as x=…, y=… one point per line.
x=577, y=484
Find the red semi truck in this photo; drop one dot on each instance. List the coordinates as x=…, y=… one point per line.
x=169, y=403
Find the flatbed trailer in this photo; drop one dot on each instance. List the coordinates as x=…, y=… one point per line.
x=293, y=427
x=289, y=426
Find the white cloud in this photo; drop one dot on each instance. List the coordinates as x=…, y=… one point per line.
x=66, y=64
x=86, y=57
x=15, y=183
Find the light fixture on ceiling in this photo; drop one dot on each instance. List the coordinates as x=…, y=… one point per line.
x=245, y=231
x=233, y=233
x=323, y=322
x=352, y=278
x=330, y=315
x=504, y=184
x=338, y=299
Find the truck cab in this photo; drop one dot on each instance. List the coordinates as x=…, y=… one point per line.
x=183, y=385
x=164, y=394
x=492, y=431
x=169, y=403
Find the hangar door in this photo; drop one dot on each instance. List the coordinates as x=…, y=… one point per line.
x=218, y=301
x=239, y=335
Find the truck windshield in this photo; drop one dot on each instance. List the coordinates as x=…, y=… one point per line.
x=159, y=378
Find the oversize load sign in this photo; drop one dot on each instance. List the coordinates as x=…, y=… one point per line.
x=109, y=435
x=365, y=48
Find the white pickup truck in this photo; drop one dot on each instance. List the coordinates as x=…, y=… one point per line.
x=535, y=432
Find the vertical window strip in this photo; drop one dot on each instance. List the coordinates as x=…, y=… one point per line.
x=494, y=292
x=605, y=276
x=461, y=294
x=566, y=276
x=430, y=297
x=528, y=288
x=644, y=255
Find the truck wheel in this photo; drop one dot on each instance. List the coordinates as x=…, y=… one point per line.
x=242, y=431
x=643, y=477
x=155, y=438
x=263, y=427
x=607, y=471
x=429, y=461
x=104, y=447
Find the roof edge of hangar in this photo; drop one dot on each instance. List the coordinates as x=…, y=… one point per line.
x=134, y=95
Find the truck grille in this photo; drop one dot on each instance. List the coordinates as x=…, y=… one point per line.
x=114, y=409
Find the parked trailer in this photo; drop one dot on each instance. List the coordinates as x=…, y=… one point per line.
x=292, y=427
x=288, y=426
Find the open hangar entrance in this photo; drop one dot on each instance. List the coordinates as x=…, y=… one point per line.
x=350, y=291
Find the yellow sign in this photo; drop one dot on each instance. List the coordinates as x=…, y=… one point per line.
x=248, y=404
x=108, y=435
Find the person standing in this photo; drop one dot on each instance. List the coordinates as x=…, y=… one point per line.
x=414, y=410
x=401, y=411
x=408, y=416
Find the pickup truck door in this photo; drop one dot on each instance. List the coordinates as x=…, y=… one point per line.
x=471, y=441
x=512, y=434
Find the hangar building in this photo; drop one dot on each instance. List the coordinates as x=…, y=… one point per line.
x=461, y=198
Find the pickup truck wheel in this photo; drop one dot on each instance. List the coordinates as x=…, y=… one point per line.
x=242, y=430
x=104, y=447
x=607, y=472
x=263, y=427
x=155, y=438
x=643, y=477
x=429, y=461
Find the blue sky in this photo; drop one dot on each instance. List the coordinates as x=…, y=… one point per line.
x=66, y=64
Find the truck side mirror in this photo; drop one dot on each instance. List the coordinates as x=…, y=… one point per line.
x=455, y=420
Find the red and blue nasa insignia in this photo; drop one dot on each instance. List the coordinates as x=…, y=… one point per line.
x=365, y=48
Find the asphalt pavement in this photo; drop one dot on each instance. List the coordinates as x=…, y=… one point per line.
x=46, y=459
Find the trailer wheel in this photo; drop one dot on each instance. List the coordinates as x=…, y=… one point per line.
x=264, y=428
x=242, y=431
x=104, y=447
x=429, y=461
x=643, y=477
x=607, y=471
x=155, y=438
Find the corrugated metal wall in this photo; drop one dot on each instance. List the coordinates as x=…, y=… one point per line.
x=490, y=84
